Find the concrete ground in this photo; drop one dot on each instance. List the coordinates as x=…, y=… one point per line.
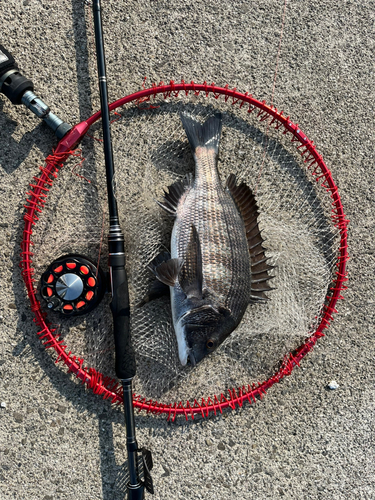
x=58, y=441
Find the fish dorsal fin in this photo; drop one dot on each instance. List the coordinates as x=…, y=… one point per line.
x=191, y=276
x=246, y=204
x=174, y=194
x=167, y=271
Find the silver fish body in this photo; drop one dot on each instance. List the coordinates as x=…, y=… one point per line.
x=210, y=270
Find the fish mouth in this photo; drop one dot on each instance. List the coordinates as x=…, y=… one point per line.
x=191, y=359
x=189, y=329
x=183, y=349
x=185, y=353
x=188, y=358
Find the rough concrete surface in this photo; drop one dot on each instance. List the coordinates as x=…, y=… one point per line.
x=304, y=441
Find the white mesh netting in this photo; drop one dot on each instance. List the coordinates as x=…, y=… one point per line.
x=151, y=152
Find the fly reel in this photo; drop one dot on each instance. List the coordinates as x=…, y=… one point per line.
x=72, y=285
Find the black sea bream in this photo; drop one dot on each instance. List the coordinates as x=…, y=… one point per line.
x=217, y=264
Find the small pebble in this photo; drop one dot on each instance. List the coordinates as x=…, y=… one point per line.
x=167, y=472
x=18, y=417
x=333, y=385
x=209, y=442
x=3, y=404
x=221, y=446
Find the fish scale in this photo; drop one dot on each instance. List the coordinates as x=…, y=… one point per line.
x=216, y=246
x=225, y=255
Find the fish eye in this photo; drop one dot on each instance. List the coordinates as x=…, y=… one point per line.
x=210, y=344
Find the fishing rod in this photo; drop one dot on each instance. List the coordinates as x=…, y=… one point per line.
x=20, y=90
x=125, y=355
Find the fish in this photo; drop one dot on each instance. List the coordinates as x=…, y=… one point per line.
x=217, y=264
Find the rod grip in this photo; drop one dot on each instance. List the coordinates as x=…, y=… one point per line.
x=125, y=364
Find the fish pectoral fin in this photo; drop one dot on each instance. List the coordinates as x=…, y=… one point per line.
x=165, y=269
x=156, y=290
x=191, y=275
x=159, y=259
x=174, y=194
x=167, y=272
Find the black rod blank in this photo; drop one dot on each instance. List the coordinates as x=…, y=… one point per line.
x=125, y=356
x=104, y=105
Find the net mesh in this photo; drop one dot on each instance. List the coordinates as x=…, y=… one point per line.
x=151, y=151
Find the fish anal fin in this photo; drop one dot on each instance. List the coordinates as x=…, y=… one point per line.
x=175, y=192
x=191, y=275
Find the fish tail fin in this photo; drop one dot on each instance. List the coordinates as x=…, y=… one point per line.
x=206, y=135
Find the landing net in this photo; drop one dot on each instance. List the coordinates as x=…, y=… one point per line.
x=301, y=217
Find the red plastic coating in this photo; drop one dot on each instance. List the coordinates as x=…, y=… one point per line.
x=108, y=387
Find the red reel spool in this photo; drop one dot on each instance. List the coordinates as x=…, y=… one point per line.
x=72, y=285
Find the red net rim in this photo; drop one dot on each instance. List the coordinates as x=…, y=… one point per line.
x=108, y=387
